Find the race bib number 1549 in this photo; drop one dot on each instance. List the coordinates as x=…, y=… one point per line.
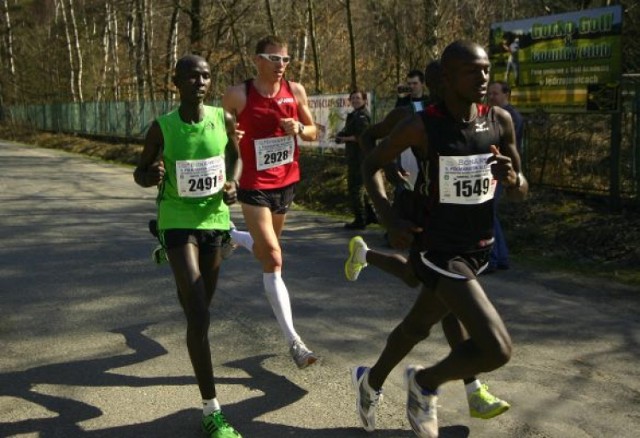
x=466, y=179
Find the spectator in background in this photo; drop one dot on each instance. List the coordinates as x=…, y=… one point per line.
x=499, y=94
x=410, y=95
x=357, y=121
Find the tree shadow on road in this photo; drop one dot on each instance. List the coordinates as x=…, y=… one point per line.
x=276, y=392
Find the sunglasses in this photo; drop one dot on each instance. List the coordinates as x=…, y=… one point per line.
x=275, y=58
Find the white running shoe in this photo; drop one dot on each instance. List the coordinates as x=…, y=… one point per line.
x=367, y=399
x=353, y=266
x=302, y=356
x=422, y=406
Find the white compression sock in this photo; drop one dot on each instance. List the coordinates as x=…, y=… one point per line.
x=242, y=238
x=210, y=406
x=278, y=297
x=473, y=386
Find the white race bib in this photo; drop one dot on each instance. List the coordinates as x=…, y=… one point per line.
x=274, y=152
x=198, y=178
x=466, y=179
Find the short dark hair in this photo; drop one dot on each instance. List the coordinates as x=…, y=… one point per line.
x=416, y=74
x=360, y=91
x=186, y=62
x=269, y=40
x=460, y=49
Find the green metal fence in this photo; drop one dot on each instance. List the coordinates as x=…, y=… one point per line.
x=571, y=152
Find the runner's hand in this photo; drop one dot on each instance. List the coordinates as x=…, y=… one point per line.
x=230, y=192
x=239, y=133
x=502, y=168
x=290, y=125
x=155, y=173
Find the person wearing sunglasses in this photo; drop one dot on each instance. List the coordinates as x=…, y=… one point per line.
x=273, y=113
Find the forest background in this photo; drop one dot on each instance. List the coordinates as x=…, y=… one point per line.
x=75, y=51
x=96, y=50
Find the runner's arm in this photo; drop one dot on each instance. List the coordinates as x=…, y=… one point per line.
x=410, y=131
x=309, y=132
x=150, y=169
x=380, y=130
x=507, y=168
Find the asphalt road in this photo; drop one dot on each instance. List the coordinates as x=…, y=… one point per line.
x=92, y=337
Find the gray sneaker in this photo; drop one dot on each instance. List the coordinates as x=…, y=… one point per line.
x=302, y=356
x=422, y=406
x=367, y=399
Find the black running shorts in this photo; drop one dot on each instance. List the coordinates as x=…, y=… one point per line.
x=429, y=266
x=277, y=200
x=206, y=240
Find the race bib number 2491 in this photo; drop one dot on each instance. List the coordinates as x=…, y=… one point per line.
x=198, y=178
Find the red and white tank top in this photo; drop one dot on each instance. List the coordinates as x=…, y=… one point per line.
x=269, y=155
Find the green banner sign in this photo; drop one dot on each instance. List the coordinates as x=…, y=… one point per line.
x=560, y=63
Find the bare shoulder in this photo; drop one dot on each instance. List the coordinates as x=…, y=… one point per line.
x=234, y=98
x=501, y=114
x=299, y=91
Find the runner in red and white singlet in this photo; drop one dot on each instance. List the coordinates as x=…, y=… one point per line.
x=272, y=113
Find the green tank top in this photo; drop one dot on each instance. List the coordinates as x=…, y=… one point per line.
x=190, y=197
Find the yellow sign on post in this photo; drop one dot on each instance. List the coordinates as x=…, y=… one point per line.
x=560, y=63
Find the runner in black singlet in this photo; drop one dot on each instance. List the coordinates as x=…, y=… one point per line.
x=471, y=149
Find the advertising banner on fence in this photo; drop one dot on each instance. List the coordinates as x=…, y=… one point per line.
x=560, y=63
x=329, y=113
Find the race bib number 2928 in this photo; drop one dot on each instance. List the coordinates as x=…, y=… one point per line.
x=274, y=151
x=466, y=179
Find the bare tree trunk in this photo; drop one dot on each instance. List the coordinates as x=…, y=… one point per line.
x=196, y=27
x=148, y=43
x=302, y=53
x=172, y=52
x=113, y=46
x=352, y=46
x=77, y=51
x=105, y=53
x=236, y=38
x=314, y=47
x=131, y=45
x=8, y=42
x=140, y=53
x=431, y=23
x=72, y=68
x=272, y=25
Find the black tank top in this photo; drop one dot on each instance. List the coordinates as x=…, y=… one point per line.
x=460, y=210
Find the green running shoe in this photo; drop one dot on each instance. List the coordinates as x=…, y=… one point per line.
x=483, y=404
x=159, y=255
x=216, y=426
